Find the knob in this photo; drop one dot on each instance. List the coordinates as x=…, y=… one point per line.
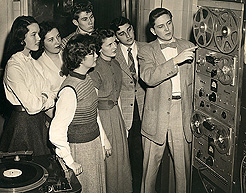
x=212, y=97
x=201, y=92
x=213, y=73
x=223, y=115
x=210, y=161
x=201, y=61
x=210, y=190
x=202, y=104
x=199, y=153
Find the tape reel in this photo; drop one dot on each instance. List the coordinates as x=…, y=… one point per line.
x=221, y=140
x=220, y=27
x=203, y=27
x=226, y=32
x=203, y=125
x=196, y=125
x=225, y=70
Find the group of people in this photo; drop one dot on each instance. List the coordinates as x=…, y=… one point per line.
x=103, y=102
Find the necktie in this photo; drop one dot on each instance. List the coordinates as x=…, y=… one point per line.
x=169, y=45
x=132, y=65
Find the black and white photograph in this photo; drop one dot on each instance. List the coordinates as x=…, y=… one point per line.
x=123, y=96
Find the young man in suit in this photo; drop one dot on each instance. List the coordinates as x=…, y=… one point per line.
x=83, y=18
x=166, y=66
x=132, y=93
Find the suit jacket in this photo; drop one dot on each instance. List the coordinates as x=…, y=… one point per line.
x=156, y=72
x=128, y=90
x=67, y=38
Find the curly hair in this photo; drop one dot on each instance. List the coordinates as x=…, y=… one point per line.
x=100, y=35
x=76, y=49
x=17, y=34
x=81, y=7
x=117, y=22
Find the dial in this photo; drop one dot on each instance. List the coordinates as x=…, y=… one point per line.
x=197, y=125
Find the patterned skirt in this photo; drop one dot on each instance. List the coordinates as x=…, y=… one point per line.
x=90, y=156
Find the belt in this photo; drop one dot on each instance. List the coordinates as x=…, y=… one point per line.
x=18, y=108
x=176, y=97
x=106, y=104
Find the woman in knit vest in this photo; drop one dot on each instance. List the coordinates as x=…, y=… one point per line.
x=74, y=129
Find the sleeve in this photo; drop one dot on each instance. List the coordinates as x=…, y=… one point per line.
x=65, y=110
x=96, y=77
x=15, y=82
x=151, y=72
x=102, y=132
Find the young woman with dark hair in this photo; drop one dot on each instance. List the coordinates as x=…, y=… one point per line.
x=27, y=90
x=74, y=130
x=50, y=58
x=107, y=78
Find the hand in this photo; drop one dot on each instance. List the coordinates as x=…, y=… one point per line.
x=48, y=100
x=107, y=148
x=108, y=152
x=44, y=98
x=76, y=167
x=187, y=54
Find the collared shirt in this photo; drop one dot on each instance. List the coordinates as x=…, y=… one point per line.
x=79, y=30
x=24, y=84
x=51, y=71
x=134, y=54
x=170, y=53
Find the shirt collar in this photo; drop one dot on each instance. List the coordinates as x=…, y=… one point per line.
x=77, y=75
x=80, y=31
x=124, y=48
x=26, y=58
x=165, y=42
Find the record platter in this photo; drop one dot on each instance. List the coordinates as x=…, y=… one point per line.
x=41, y=174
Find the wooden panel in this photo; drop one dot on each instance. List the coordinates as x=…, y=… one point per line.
x=182, y=16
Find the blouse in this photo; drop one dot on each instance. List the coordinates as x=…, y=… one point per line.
x=24, y=84
x=51, y=71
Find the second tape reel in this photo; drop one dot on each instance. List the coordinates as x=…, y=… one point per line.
x=216, y=29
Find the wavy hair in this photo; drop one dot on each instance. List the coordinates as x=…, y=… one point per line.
x=81, y=7
x=18, y=33
x=154, y=14
x=76, y=49
x=117, y=22
x=45, y=27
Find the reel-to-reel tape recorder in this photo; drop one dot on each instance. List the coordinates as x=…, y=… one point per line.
x=219, y=128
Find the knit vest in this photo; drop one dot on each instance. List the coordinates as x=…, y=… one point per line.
x=84, y=127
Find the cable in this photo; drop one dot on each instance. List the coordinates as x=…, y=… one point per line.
x=242, y=176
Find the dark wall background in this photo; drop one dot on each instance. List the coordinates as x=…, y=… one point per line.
x=59, y=11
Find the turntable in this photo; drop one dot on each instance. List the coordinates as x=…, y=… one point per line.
x=20, y=172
